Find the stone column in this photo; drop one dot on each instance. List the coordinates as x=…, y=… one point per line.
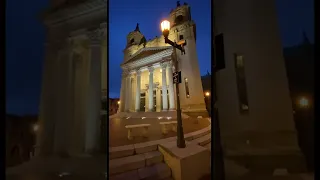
x=94, y=92
x=62, y=122
x=104, y=63
x=122, y=93
x=151, y=104
x=164, y=87
x=171, y=91
x=128, y=93
x=49, y=103
x=137, y=106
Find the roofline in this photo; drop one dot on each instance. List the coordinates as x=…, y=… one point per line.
x=146, y=49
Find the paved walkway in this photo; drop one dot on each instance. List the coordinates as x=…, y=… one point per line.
x=50, y=168
x=36, y=176
x=118, y=132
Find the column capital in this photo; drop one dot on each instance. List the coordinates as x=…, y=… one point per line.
x=164, y=65
x=95, y=36
x=138, y=72
x=125, y=73
x=104, y=30
x=131, y=72
x=151, y=69
x=103, y=25
x=169, y=64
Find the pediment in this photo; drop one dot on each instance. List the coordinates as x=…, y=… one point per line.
x=147, y=56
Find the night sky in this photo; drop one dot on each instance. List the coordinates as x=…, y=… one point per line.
x=25, y=40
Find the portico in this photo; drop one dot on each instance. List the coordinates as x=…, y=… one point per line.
x=147, y=82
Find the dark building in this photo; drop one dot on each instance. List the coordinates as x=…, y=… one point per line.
x=20, y=138
x=299, y=61
x=206, y=85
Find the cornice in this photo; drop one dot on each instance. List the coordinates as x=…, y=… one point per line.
x=148, y=49
x=152, y=59
x=60, y=16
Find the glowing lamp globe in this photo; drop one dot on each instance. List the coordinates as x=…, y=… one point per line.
x=165, y=27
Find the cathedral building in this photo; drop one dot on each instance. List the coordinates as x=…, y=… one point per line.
x=147, y=79
x=74, y=77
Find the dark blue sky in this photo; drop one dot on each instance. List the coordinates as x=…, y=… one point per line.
x=25, y=40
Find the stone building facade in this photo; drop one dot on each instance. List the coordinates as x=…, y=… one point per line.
x=74, y=77
x=253, y=98
x=147, y=82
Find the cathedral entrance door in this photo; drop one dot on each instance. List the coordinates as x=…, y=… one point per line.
x=143, y=102
x=155, y=100
x=162, y=99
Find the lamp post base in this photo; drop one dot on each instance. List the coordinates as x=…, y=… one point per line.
x=180, y=136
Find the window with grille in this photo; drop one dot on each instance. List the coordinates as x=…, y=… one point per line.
x=186, y=84
x=241, y=84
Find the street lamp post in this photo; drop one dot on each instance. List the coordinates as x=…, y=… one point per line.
x=165, y=27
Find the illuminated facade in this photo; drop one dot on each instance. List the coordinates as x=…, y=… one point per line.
x=147, y=82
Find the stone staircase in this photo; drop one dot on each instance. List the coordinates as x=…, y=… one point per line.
x=170, y=114
x=143, y=161
x=145, y=166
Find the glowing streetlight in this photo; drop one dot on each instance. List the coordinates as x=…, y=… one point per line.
x=35, y=127
x=118, y=102
x=165, y=28
x=207, y=94
x=303, y=102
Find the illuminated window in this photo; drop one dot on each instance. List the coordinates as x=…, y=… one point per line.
x=241, y=84
x=186, y=84
x=239, y=61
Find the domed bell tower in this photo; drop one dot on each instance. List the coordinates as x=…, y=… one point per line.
x=183, y=29
x=134, y=38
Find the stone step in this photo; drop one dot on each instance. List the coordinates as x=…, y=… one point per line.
x=153, y=158
x=130, y=175
x=252, y=176
x=194, y=135
x=158, y=171
x=155, y=172
x=121, y=165
x=121, y=151
x=202, y=140
x=208, y=146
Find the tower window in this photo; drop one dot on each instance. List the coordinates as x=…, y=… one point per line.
x=241, y=84
x=178, y=19
x=132, y=41
x=186, y=84
x=180, y=37
x=220, y=60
